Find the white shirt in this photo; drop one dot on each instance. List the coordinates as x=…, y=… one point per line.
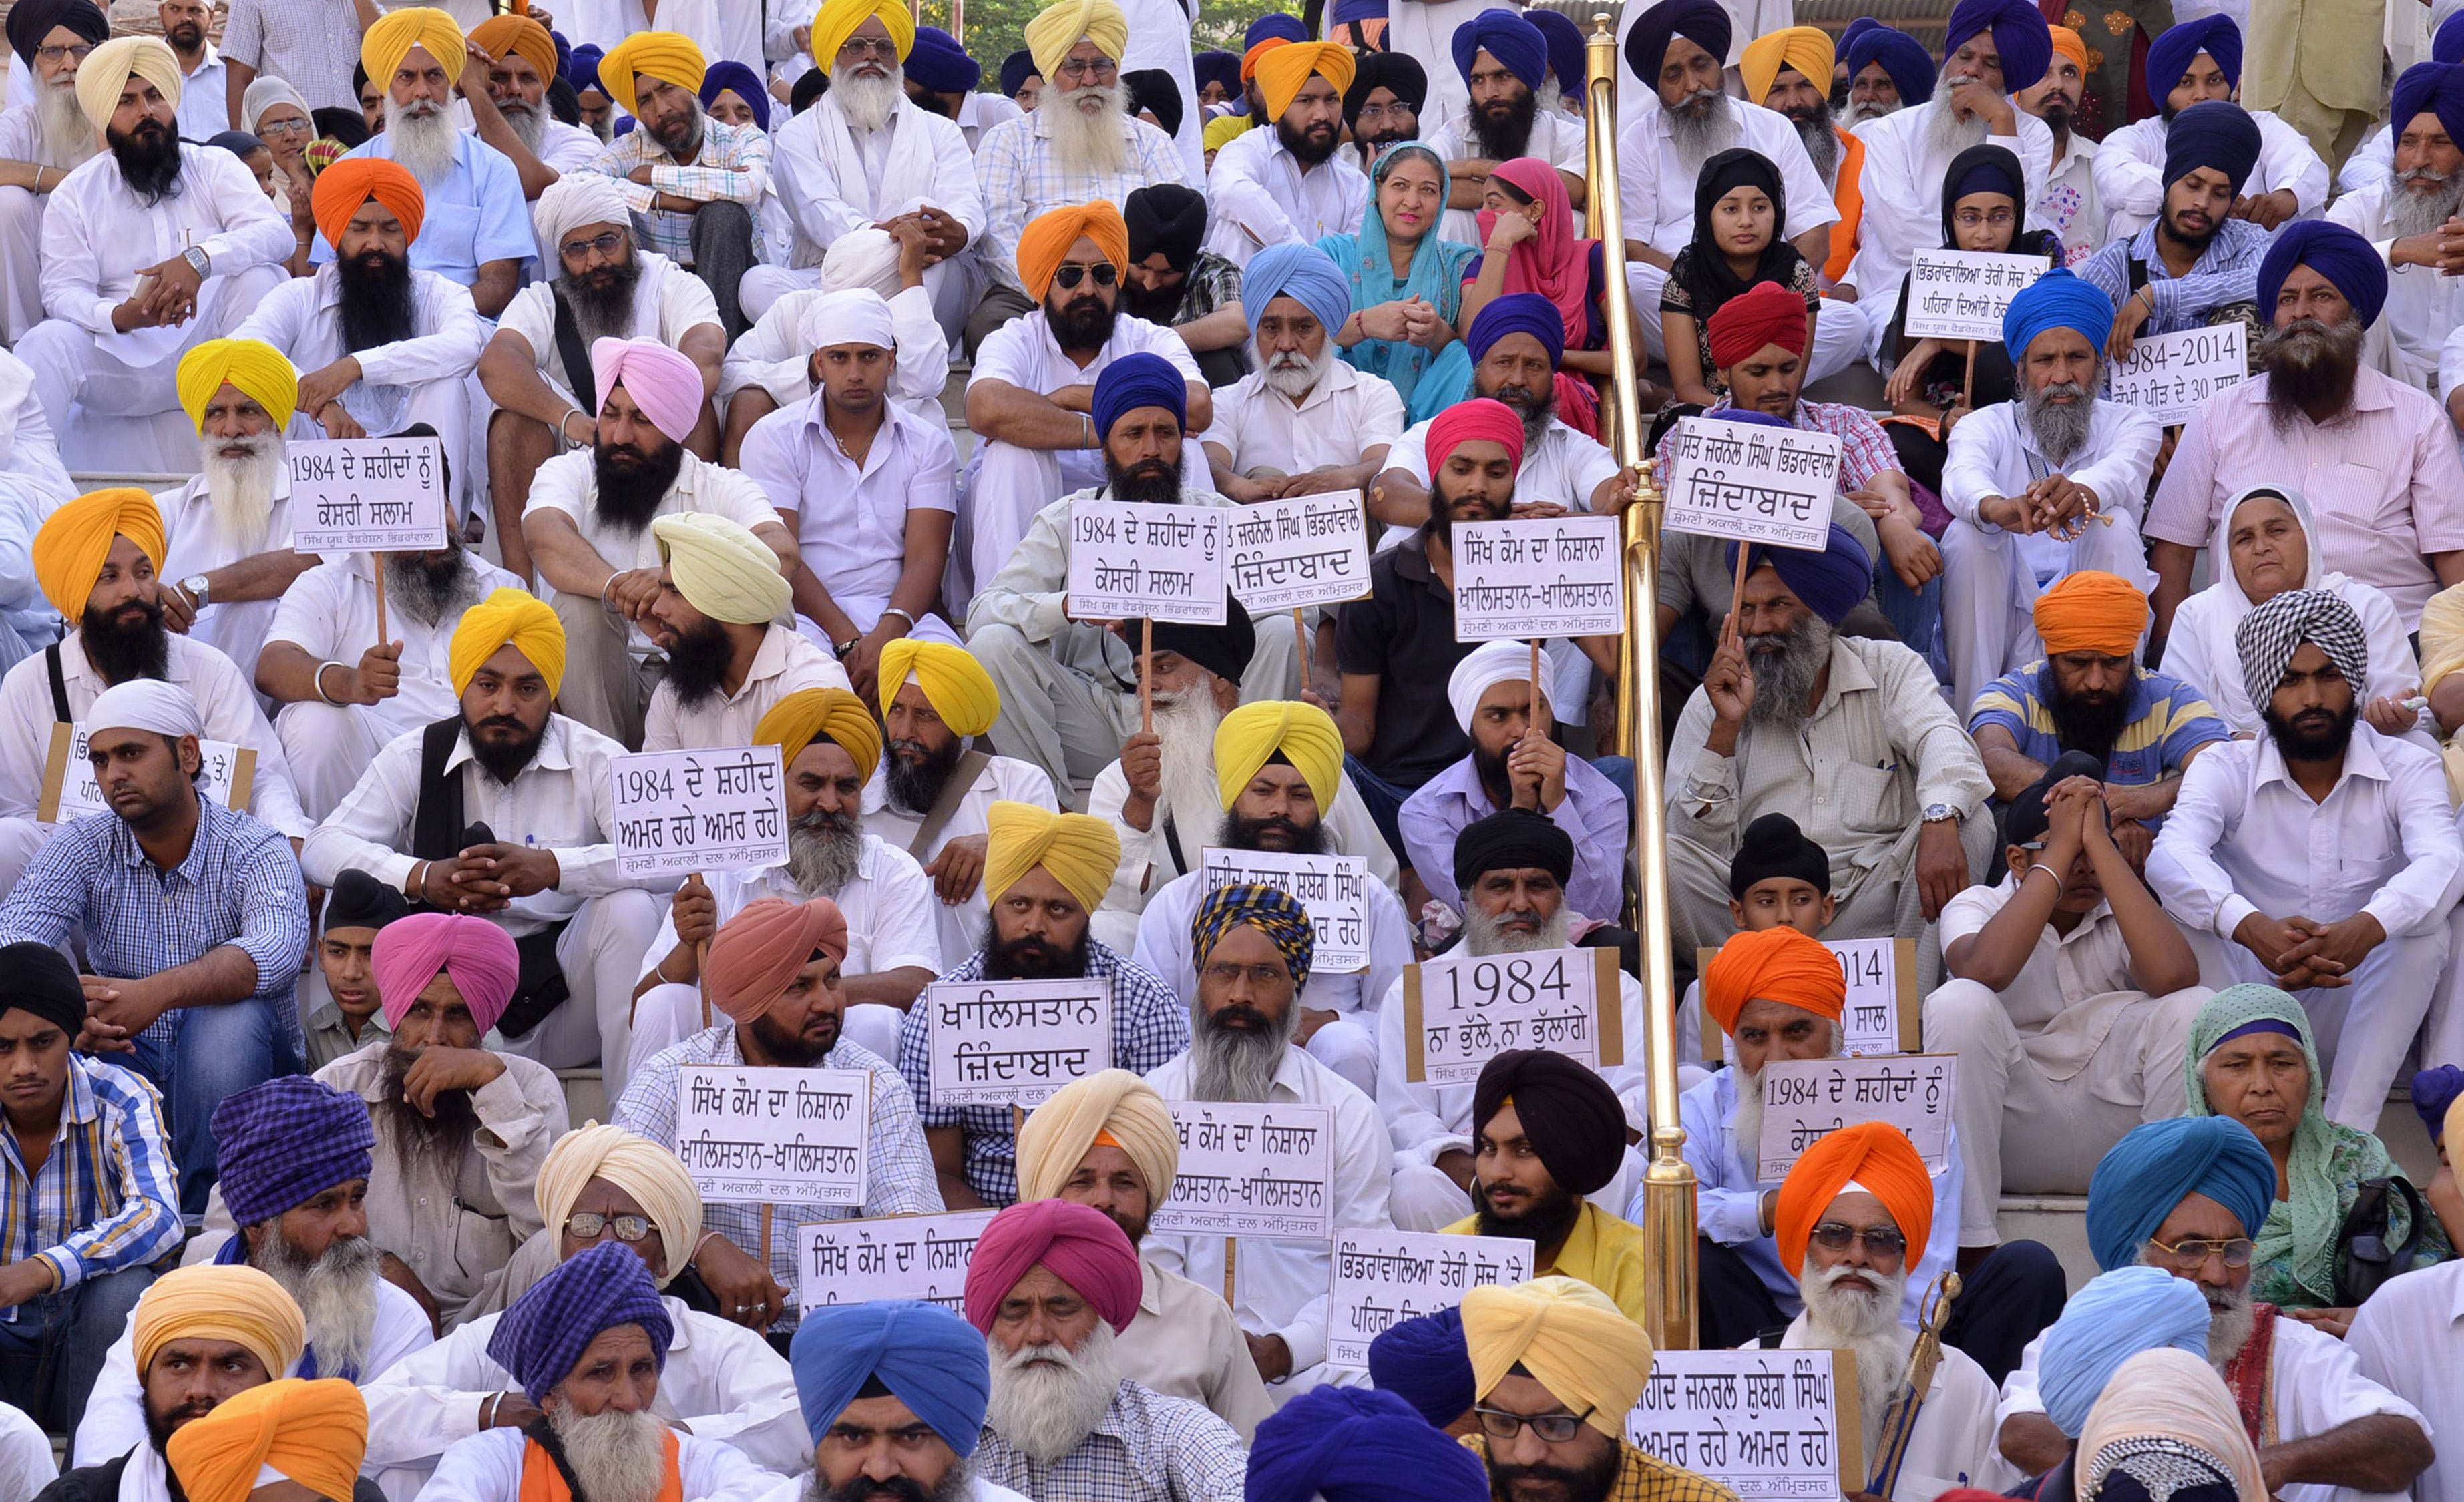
x=772, y=354
x=304, y=319
x=205, y=98
x=1023, y=353
x=330, y=613
x=783, y=664
x=2371, y=164
x=667, y=303
x=488, y=1467
x=26, y=1465
x=1425, y=1119
x=1563, y=467
x=22, y=140
x=1904, y=184
x=2407, y=1340
x=851, y=519
x=568, y=484
x=2423, y=306
x=2069, y=206
x=1555, y=139
x=831, y=181
x=1656, y=188
x=1163, y=945
x=888, y=904
x=1998, y=454
x=1344, y=416
x=2131, y=172
x=195, y=543
x=978, y=113
x=1257, y=194
x=1005, y=779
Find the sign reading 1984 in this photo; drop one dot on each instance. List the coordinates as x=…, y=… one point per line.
x=1459, y=1012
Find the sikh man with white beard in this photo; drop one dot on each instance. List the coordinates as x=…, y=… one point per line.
x=2405, y=218
x=506, y=96
x=893, y=1394
x=39, y=142
x=1051, y=1284
x=1292, y=183
x=1302, y=421
x=1888, y=71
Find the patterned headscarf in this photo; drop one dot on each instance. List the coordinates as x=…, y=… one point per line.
x=1270, y=910
x=287, y=1141
x=2268, y=636
x=549, y=1327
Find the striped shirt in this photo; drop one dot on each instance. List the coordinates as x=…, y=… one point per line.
x=2169, y=720
x=105, y=1199
x=1023, y=176
x=732, y=166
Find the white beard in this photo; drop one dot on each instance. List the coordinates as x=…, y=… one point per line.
x=239, y=492
x=2229, y=1318
x=1750, y=1111
x=1947, y=135
x=1857, y=114
x=1086, y=128
x=1867, y=1325
x=1048, y=1411
x=1484, y=934
x=615, y=1455
x=68, y=138
x=337, y=1293
x=1185, y=723
x=528, y=123
x=2412, y=213
x=867, y=102
x=1292, y=373
x=422, y=139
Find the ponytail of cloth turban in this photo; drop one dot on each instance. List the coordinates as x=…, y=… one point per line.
x=1569, y=1113
x=864, y=259
x=1077, y=850
x=1058, y=28
x=1359, y=1444
x=315, y=1434
x=1507, y=36
x=1878, y=1158
x=653, y=1174
x=1805, y=50
x=351, y=181
x=720, y=568
x=2058, y=300
x=1901, y=55
x=1482, y=668
x=2434, y=1092
x=606, y=1287
x=2089, y=610
x=70, y=546
x=952, y=681
x=1423, y=1360
x=1075, y=1243
x=2433, y=88
x=1477, y=419
x=1134, y=382
x=837, y=20
x=2214, y=134
x=2267, y=637
x=1115, y=1108
x=1705, y=23
x=665, y=383
x=1781, y=964
x=924, y=1355
x=1270, y=910
x=760, y=952
x=939, y=65
x=1830, y=583
x=811, y=714
x=730, y=77
x=1015, y=70
x=104, y=74
x=1520, y=312
x=1170, y=218
x=389, y=40
x=2020, y=39
x=260, y=371
x=577, y=199
x=1302, y=734
x=476, y=954
x=1282, y=73
x=1048, y=237
x=235, y=1303
x=1763, y=314
x=2169, y=56
x=2334, y=251
x=1569, y=1336
x=30, y=21
x=2113, y=1317
x=669, y=57
x=501, y=36
x=2157, y=1164
x=508, y=618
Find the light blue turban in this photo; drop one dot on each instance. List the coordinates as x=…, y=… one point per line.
x=1303, y=271
x=928, y=1357
x=2116, y=1316
x=2057, y=300
x=2159, y=1164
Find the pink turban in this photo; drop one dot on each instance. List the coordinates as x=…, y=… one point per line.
x=1077, y=1243
x=664, y=383
x=759, y=951
x=478, y=955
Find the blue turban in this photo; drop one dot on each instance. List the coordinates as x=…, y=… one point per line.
x=728, y=74
x=1425, y=1362
x=1359, y=1444
x=1296, y=270
x=939, y=65
x=1567, y=49
x=2447, y=43
x=1016, y=69
x=2211, y=134
x=2169, y=55
x=1278, y=24
x=1510, y=38
x=582, y=67
x=1518, y=312
x=1704, y=23
x=2114, y=1318
x=1901, y=55
x=2434, y=1091
x=1219, y=68
x=1855, y=29
x=1136, y=381
x=2021, y=38
x=2338, y=253
x=2435, y=88
x=541, y=1337
x=1831, y=582
x=2157, y=1164
x=2057, y=300
x=928, y=1357
x=281, y=1143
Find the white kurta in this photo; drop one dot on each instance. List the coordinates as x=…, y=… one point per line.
x=832, y=180
x=1953, y=1442
x=2130, y=172
x=2422, y=306
x=1005, y=779
x=1902, y=186
x=783, y=664
x=488, y=1467
x=1344, y=416
x=668, y=302
x=1257, y=194
x=772, y=354
x=2405, y=1339
x=196, y=542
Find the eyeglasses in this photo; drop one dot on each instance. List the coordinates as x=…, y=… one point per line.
x=2236, y=1253
x=1554, y=1427
x=586, y=1225
x=76, y=49
x=1071, y=273
x=855, y=49
x=1223, y=972
x=285, y=127
x=1076, y=68
x=1381, y=111
x=1973, y=218
x=606, y=245
x=1880, y=1241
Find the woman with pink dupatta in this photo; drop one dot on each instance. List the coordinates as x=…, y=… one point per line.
x=1531, y=244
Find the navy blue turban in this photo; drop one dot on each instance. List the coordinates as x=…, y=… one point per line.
x=2447, y=43
x=1425, y=1362
x=2169, y=55
x=2159, y=1164
x=544, y=1334
x=1703, y=22
x=1281, y=24
x=1831, y=582
x=1518, y=312
x=1855, y=29
x=2021, y=38
x=2057, y=300
x=1136, y=381
x=580, y=67
x=1219, y=68
x=2433, y=88
x=730, y=75
x=1300, y=271
x=2434, y=1091
x=1016, y=69
x=1566, y=47
x=939, y=65
x=2338, y=253
x=2211, y=134
x=1901, y=55
x=1507, y=36
x=1359, y=1444
x=928, y=1357
x=30, y=21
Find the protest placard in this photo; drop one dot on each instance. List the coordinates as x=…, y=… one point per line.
x=2171, y=374
x=366, y=495
x=1961, y=294
x=1462, y=1010
x=1333, y=888
x=1300, y=550
x=1806, y=1100
x=1016, y=1042
x=1382, y=1277
x=1251, y=1170
x=1771, y=1425
x=1756, y=483
x=1131, y=561
x=716, y=809
x=1542, y=577
x=792, y=1135
x=1882, y=1011
x=70, y=791
x=903, y=1256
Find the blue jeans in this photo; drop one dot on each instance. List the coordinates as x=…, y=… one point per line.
x=220, y=1051
x=1914, y=614
x=52, y=1348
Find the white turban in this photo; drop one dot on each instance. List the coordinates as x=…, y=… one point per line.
x=576, y=199
x=846, y=317
x=265, y=94
x=1490, y=662
x=145, y=703
x=865, y=257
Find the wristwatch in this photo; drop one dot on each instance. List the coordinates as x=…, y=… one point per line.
x=194, y=586
x=198, y=260
x=1939, y=812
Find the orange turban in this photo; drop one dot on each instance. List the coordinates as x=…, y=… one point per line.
x=69, y=547
x=519, y=35
x=1249, y=59
x=313, y=1432
x=1049, y=235
x=1284, y=71
x=1881, y=1161
x=1774, y=965
x=2090, y=611
x=343, y=187
x=760, y=951
x=2068, y=44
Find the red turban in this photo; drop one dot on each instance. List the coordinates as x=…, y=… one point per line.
x=1774, y=965
x=759, y=951
x=477, y=955
x=1479, y=417
x=1765, y=312
x=1077, y=1243
x=1881, y=1161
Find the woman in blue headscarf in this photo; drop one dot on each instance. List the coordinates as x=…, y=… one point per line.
x=1406, y=283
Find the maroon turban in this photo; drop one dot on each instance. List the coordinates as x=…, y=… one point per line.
x=1078, y=1243
x=1765, y=312
x=477, y=955
x=1477, y=418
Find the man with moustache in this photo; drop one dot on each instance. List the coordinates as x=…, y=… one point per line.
x=1788, y=72
x=1304, y=422
x=1888, y=71
x=893, y=1393
x=507, y=94
x=2193, y=61
x=941, y=79
x=1290, y=183
x=2409, y=213
x=2068, y=205
x=204, y=96
x=720, y=615
x=1547, y=1133
x=2196, y=262
x=41, y=141
x=1172, y=281
x=1503, y=60
x=1382, y=103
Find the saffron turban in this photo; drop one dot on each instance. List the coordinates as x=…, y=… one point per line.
x=1423, y=1360
x=837, y=20
x=238, y=1303
x=1077, y=850
x=811, y=714
x=603, y=1287
x=1359, y=1444
x=939, y=65
x=2157, y=1164
x=1779, y=965
x=1773, y=846
x=577, y=199
x=2434, y=1091
x=1805, y=50
x=1765, y=313
x=2268, y=637
x=315, y=1434
x=260, y=372
x=30, y=21
x=1507, y=36
x=2214, y=134
x=2069, y=44
x=665, y=383
x=1058, y=28
x=2166, y=1422
x=730, y=77
x=1512, y=839
x=1258, y=49
x=1015, y=70
x=1075, y=1243
x=1876, y=1157
x=1901, y=55
x=1476, y=419
x=73, y=541
x=2170, y=53
x=1048, y=237
x=1302, y=272
x=850, y=316
x=669, y=57
x=925, y=1357
x=2020, y=39
x=283, y=1142
x=351, y=181
x=1830, y=583
x=1398, y=74
x=2331, y=250
x=508, y=618
x=501, y=36
x=760, y=952
x=2089, y=610
x=1282, y=74
x=2435, y=88
x=1172, y=219
x=1566, y=48
x=1115, y=1108
x=653, y=1174
x=1302, y=734
x=953, y=682
x=2058, y=300
x=1705, y=23
x=1270, y=910
x=1572, y=1118
x=2112, y=1319
x=1518, y=312
x=104, y=74
x=385, y=44
x=1482, y=668
x=476, y=955
x=146, y=704
x=720, y=568
x=1569, y=1337
x=1143, y=380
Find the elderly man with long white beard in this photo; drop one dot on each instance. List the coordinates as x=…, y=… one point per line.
x=1853, y=1213
x=41, y=141
x=2405, y=216
x=1302, y=421
x=506, y=94
x=1052, y=1286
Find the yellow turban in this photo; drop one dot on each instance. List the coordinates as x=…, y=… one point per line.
x=1080, y=852
x=809, y=714
x=669, y=57
x=1114, y=1107
x=314, y=1433
x=396, y=33
x=519, y=36
x=653, y=1175
x=1223, y=129
x=508, y=616
x=838, y=19
x=954, y=682
x=69, y=547
x=237, y=1304
x=1284, y=71
x=258, y=368
x=1058, y=28
x=104, y=74
x=1302, y=733
x=1807, y=49
x=1048, y=237
x=721, y=569
x=2088, y=610
x=1569, y=1337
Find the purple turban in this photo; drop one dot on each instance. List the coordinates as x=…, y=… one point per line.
x=730, y=77
x=2021, y=38
x=2434, y=1091
x=1901, y=55
x=2433, y=88
x=939, y=65
x=662, y=382
x=281, y=1143
x=1216, y=67
x=1509, y=39
x=2447, y=43
x=1075, y=1243
x=2338, y=253
x=1566, y=47
x=1704, y=23
x=479, y=956
x=1831, y=582
x=1425, y=1362
x=1136, y=381
x=1359, y=1444
x=541, y=1337
x=1518, y=312
x=2169, y=55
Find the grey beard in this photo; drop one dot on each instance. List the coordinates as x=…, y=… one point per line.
x=1699, y=141
x=868, y=104
x=1747, y=1124
x=527, y=121
x=1225, y=1065
x=1046, y=1412
x=1823, y=147
x=1292, y=373
x=1947, y=135
x=2410, y=213
x=417, y=594
x=616, y=1455
x=421, y=143
x=2230, y=1319
x=823, y=852
x=239, y=492
x=68, y=139
x=337, y=1293
x=595, y=316
x=1484, y=934
x=1087, y=127
x=2060, y=428
x=1786, y=668
x=1856, y=114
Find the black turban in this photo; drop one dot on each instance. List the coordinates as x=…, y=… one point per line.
x=1170, y=218
x=1704, y=23
x=1398, y=74
x=1775, y=846
x=358, y=900
x=30, y=21
x=808, y=89
x=1572, y=1118
x=40, y=980
x=1016, y=69
x=2023, y=821
x=2214, y=134
x=1223, y=650
x=349, y=127
x=1153, y=90
x=1512, y=839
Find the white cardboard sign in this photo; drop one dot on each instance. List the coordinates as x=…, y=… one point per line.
x=1540, y=577
x=1016, y=1042
x=366, y=495
x=1881, y=986
x=1333, y=888
x=1806, y=1100
x=70, y=791
x=1251, y=1170
x=904, y=1256
x=1961, y=294
x=1135, y=561
x=1380, y=1277
x=1772, y=1426
x=1462, y=1010
x=716, y=809
x=2173, y=375
x=1753, y=482
x=794, y=1136
x=1300, y=550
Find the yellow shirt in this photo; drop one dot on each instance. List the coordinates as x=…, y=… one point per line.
x=1602, y=1251
x=1641, y=1477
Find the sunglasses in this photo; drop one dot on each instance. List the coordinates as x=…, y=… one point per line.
x=1071, y=273
x=1880, y=1241
x=587, y=1225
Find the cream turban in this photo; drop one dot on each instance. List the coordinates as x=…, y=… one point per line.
x=1301, y=733
x=864, y=258
x=1115, y=1108
x=954, y=682
x=859, y=315
x=653, y=1174
x=837, y=20
x=1482, y=668
x=721, y=569
x=386, y=43
x=576, y=199
x=237, y=1304
x=1569, y=1337
x=260, y=370
x=1056, y=29
x=1080, y=852
x=106, y=72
